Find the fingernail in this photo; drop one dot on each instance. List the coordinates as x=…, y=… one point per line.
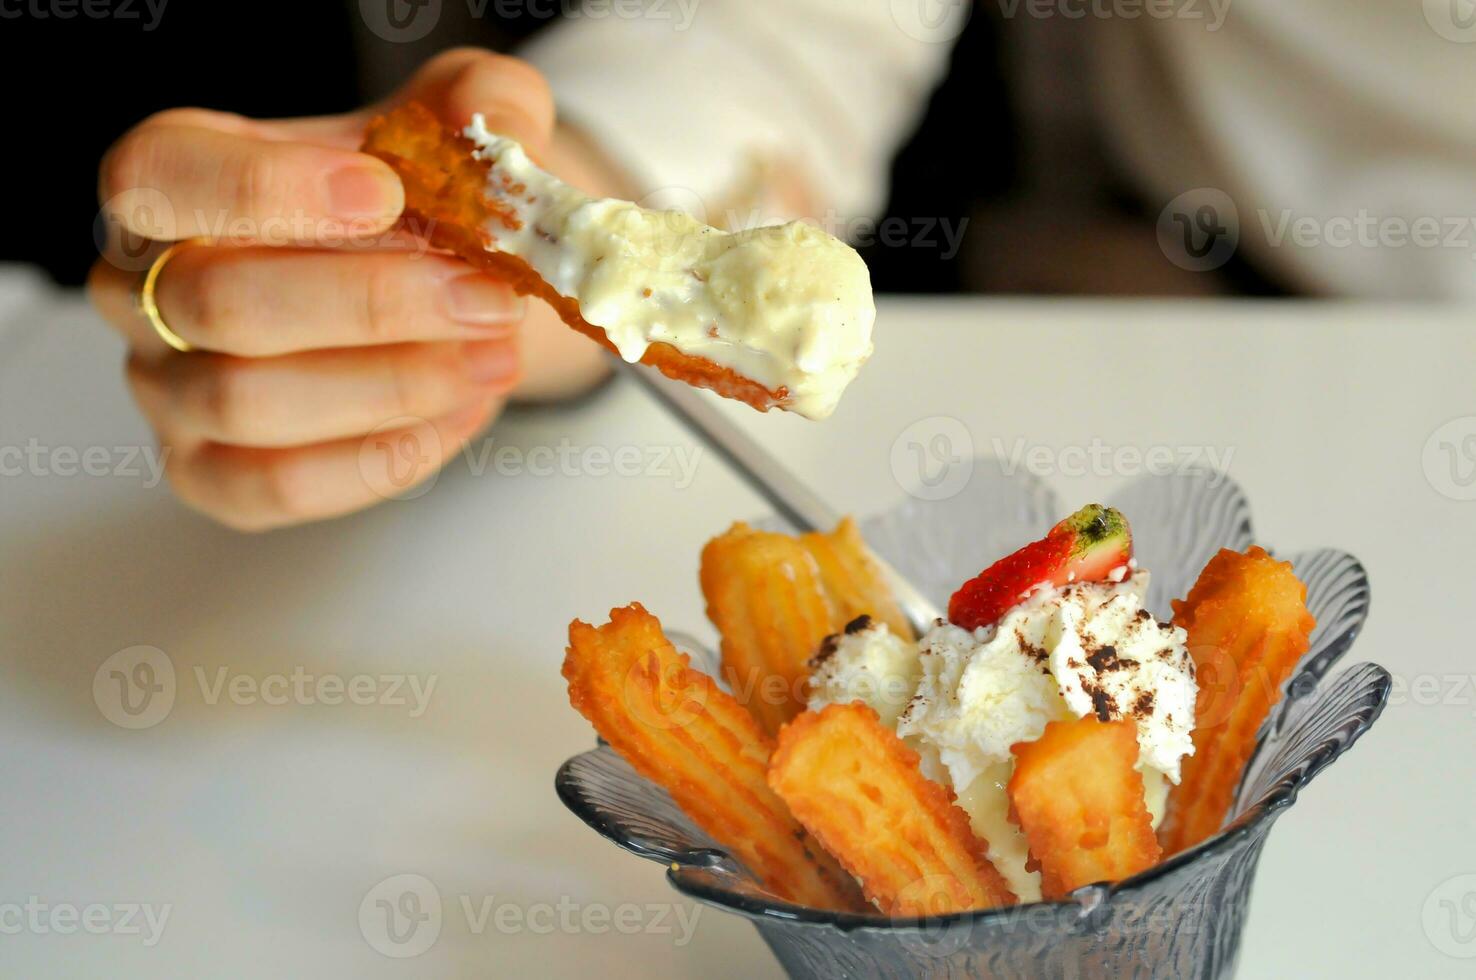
x=480, y=301
x=362, y=192
x=489, y=361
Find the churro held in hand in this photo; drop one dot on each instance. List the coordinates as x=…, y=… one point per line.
x=775, y=316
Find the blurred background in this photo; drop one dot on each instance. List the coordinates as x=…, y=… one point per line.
x=1019, y=146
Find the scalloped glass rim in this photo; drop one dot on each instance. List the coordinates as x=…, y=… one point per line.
x=1206, y=504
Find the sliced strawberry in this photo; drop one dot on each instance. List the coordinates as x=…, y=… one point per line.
x=1085, y=547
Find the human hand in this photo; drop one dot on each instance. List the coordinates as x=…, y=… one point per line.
x=315, y=319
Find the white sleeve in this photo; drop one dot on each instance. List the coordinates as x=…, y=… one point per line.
x=689, y=91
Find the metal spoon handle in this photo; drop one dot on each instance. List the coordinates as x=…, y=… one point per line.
x=790, y=497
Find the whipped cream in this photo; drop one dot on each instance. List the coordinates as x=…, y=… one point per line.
x=867, y=663
x=787, y=305
x=1063, y=653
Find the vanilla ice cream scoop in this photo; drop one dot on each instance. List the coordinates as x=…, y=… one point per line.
x=787, y=306
x=1062, y=653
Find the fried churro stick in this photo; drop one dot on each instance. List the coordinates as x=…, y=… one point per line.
x=775, y=597
x=787, y=320
x=1079, y=800
x=853, y=583
x=1248, y=626
x=857, y=787
x=678, y=729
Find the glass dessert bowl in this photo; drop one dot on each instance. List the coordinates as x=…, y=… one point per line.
x=1181, y=917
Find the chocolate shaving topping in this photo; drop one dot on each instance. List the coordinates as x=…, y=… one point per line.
x=1105, y=659
x=1143, y=707
x=827, y=650
x=1036, y=653
x=858, y=624
x=1102, y=703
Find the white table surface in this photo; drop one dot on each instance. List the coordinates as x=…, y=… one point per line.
x=262, y=827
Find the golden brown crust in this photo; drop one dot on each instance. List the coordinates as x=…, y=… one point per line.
x=856, y=786
x=774, y=597
x=1248, y=627
x=1079, y=800
x=766, y=596
x=853, y=582
x=680, y=730
x=444, y=196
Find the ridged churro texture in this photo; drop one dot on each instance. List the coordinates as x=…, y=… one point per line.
x=677, y=728
x=1248, y=627
x=857, y=787
x=774, y=597
x=445, y=196
x=1079, y=800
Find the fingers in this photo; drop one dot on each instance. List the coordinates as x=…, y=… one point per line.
x=301, y=350
x=167, y=181
x=557, y=363
x=191, y=172
x=317, y=396
x=264, y=302
x=257, y=489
